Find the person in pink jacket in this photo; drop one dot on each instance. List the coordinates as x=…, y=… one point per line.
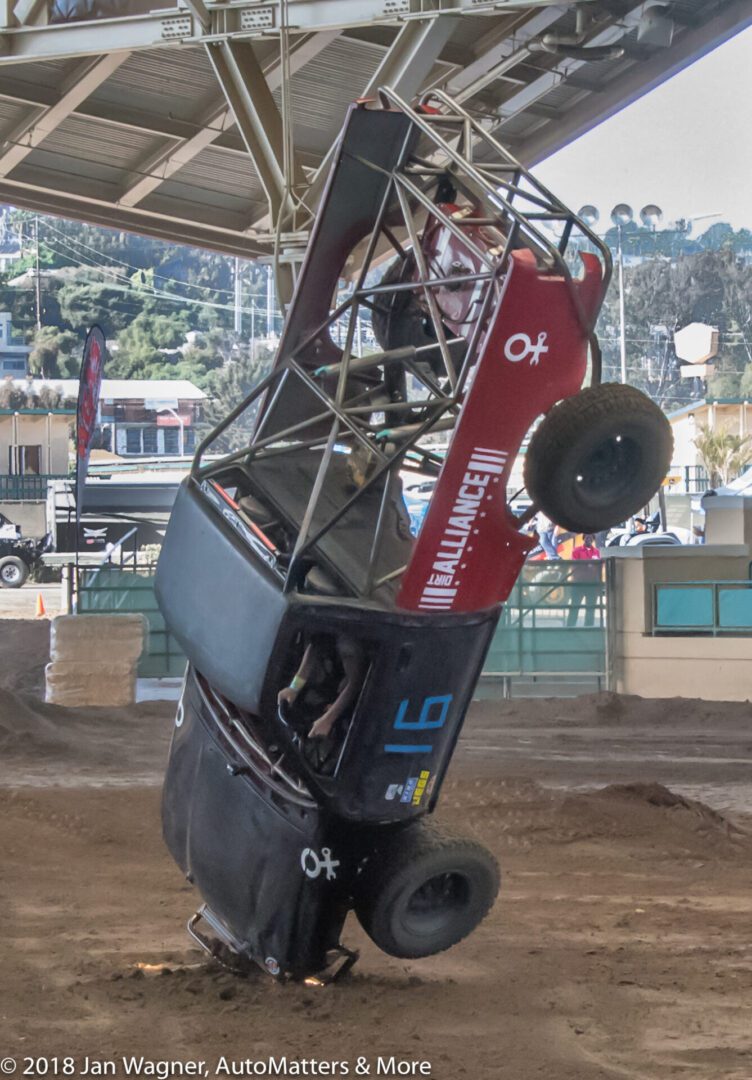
x=583, y=581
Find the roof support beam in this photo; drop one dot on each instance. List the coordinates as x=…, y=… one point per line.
x=405, y=67
x=503, y=56
x=27, y=12
x=538, y=88
x=258, y=119
x=200, y=11
x=637, y=81
x=18, y=143
x=160, y=166
x=162, y=227
x=158, y=29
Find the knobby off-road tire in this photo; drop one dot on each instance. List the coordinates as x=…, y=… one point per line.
x=598, y=458
x=13, y=572
x=423, y=890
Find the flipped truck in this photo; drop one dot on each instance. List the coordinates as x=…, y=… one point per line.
x=333, y=654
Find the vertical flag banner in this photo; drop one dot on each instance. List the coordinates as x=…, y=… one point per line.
x=90, y=383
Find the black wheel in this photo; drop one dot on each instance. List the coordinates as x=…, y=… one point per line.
x=13, y=572
x=423, y=890
x=598, y=457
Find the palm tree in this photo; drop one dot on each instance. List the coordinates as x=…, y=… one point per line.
x=723, y=454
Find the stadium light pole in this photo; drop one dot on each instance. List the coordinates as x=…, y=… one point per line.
x=621, y=215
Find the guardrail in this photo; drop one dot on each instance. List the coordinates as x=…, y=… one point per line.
x=554, y=626
x=112, y=590
x=712, y=608
x=27, y=488
x=688, y=479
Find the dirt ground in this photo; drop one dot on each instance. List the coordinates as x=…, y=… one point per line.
x=619, y=946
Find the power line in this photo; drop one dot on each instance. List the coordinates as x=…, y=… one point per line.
x=129, y=266
x=126, y=285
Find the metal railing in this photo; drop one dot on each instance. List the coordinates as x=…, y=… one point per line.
x=129, y=588
x=554, y=627
x=712, y=608
x=688, y=479
x=27, y=488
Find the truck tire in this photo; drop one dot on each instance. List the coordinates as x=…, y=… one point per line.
x=423, y=890
x=598, y=457
x=13, y=572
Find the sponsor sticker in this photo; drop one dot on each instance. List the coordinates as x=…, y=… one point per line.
x=420, y=787
x=409, y=789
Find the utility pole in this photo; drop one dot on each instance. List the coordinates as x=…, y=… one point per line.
x=622, y=315
x=38, y=279
x=269, y=302
x=238, y=299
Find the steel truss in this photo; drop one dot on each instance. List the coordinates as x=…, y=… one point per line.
x=495, y=207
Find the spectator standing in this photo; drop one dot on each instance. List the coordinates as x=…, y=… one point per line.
x=584, y=575
x=546, y=529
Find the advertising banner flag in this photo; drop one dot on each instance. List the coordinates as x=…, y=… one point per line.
x=90, y=383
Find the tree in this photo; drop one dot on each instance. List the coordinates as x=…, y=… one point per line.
x=723, y=454
x=207, y=352
x=228, y=386
x=138, y=354
x=12, y=396
x=661, y=296
x=54, y=352
x=84, y=303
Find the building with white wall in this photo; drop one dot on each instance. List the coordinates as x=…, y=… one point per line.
x=14, y=355
x=141, y=417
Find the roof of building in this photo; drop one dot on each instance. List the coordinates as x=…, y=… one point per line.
x=124, y=389
x=125, y=121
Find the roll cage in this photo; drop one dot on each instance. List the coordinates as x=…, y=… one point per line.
x=429, y=187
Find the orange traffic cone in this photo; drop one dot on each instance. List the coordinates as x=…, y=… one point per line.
x=41, y=611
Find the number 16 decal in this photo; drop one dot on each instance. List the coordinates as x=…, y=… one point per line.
x=432, y=717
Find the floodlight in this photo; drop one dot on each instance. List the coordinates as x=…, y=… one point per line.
x=622, y=214
x=589, y=214
x=651, y=216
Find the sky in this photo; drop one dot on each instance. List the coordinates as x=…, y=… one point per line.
x=686, y=146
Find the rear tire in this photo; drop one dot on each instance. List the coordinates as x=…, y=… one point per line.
x=423, y=890
x=598, y=457
x=13, y=572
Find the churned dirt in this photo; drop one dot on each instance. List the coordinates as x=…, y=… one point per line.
x=619, y=947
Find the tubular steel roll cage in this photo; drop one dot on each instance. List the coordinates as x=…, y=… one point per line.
x=515, y=204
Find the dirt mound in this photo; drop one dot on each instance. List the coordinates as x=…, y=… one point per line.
x=661, y=796
x=69, y=745
x=24, y=651
x=607, y=709
x=520, y=815
x=661, y=818
x=26, y=728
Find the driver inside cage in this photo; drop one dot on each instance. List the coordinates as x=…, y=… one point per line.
x=317, y=670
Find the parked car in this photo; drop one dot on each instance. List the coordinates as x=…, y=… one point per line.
x=18, y=557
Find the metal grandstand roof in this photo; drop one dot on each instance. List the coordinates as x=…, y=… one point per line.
x=207, y=123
